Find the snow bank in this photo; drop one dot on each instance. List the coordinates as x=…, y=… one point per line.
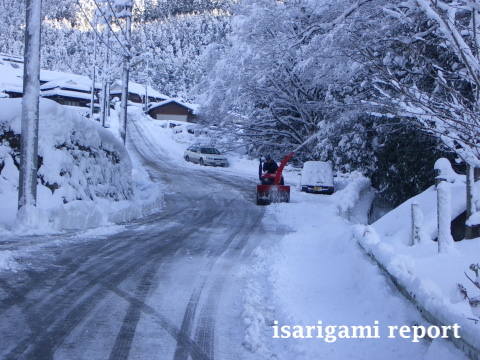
x=395, y=226
x=349, y=195
x=430, y=280
x=85, y=173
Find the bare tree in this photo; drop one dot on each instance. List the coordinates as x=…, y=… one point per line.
x=27, y=192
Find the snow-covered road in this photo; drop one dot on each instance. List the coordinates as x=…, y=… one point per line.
x=151, y=291
x=174, y=285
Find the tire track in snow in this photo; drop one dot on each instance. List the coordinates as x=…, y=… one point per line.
x=57, y=328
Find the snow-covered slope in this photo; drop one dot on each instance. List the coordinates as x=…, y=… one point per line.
x=85, y=173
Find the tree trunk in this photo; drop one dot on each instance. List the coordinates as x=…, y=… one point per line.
x=27, y=190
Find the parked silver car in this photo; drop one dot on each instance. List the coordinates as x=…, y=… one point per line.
x=205, y=155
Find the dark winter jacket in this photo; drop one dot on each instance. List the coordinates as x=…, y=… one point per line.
x=270, y=166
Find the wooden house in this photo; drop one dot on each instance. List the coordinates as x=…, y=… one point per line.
x=137, y=93
x=172, y=109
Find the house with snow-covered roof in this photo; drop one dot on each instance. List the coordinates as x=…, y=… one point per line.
x=137, y=93
x=11, y=77
x=71, y=89
x=173, y=109
x=72, y=92
x=64, y=88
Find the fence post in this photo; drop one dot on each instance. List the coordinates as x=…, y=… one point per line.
x=444, y=217
x=417, y=220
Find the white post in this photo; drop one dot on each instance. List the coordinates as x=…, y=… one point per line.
x=27, y=190
x=444, y=216
x=417, y=222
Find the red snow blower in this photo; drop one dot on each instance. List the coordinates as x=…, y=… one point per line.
x=272, y=188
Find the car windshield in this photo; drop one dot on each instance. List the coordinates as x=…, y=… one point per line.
x=210, y=151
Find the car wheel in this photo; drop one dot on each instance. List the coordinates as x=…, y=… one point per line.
x=201, y=162
x=187, y=158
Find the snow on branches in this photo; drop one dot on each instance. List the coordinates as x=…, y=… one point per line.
x=428, y=69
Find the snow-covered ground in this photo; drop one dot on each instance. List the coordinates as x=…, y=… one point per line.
x=318, y=273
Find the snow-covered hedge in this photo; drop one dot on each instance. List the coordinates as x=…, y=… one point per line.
x=78, y=160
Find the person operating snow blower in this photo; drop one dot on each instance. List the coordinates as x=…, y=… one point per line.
x=269, y=167
x=272, y=187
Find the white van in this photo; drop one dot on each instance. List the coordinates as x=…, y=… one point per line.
x=317, y=177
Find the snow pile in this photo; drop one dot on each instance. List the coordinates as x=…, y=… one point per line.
x=395, y=226
x=431, y=280
x=350, y=194
x=85, y=173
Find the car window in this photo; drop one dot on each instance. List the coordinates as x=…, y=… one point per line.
x=212, y=151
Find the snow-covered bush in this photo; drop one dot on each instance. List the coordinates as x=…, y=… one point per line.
x=78, y=159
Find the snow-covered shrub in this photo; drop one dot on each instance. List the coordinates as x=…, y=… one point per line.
x=78, y=159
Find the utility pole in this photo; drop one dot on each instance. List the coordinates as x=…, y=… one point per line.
x=127, y=14
x=147, y=83
x=105, y=109
x=94, y=70
x=27, y=189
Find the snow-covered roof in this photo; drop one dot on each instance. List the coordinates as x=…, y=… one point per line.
x=66, y=93
x=138, y=89
x=70, y=84
x=49, y=75
x=192, y=107
x=11, y=58
x=11, y=76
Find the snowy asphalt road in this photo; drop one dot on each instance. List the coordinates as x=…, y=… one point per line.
x=151, y=291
